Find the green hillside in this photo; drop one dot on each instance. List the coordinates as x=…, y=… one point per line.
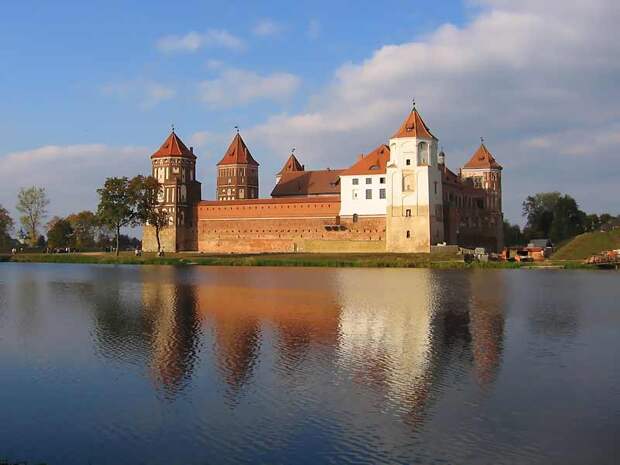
x=585, y=245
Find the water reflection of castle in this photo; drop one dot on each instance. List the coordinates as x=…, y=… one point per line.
x=396, y=331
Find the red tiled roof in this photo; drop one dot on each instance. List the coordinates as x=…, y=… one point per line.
x=292, y=164
x=238, y=154
x=173, y=146
x=414, y=126
x=373, y=163
x=302, y=183
x=482, y=159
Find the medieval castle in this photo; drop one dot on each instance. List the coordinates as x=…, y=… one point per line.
x=400, y=197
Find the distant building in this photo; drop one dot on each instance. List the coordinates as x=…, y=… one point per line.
x=400, y=197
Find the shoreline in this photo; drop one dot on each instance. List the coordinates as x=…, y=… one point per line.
x=434, y=261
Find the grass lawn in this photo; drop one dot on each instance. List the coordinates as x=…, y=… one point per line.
x=588, y=244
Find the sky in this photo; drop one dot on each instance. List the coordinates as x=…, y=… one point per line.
x=90, y=89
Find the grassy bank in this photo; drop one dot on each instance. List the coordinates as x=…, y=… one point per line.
x=588, y=244
x=438, y=261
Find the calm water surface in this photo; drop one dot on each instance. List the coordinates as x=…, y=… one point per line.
x=165, y=365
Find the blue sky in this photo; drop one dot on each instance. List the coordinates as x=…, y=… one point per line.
x=90, y=89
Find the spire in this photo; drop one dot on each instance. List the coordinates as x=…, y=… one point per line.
x=291, y=165
x=482, y=159
x=238, y=153
x=414, y=126
x=173, y=146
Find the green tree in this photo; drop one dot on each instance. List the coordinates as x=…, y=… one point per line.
x=60, y=234
x=512, y=234
x=85, y=226
x=568, y=220
x=146, y=191
x=592, y=222
x=32, y=203
x=605, y=218
x=538, y=210
x=116, y=205
x=6, y=227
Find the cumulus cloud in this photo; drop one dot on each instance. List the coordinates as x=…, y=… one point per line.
x=193, y=41
x=235, y=87
x=266, y=27
x=71, y=174
x=537, y=79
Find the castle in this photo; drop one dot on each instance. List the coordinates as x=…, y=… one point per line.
x=400, y=197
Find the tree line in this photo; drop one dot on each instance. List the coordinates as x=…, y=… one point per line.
x=555, y=216
x=123, y=202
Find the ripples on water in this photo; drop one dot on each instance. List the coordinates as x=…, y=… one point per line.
x=230, y=365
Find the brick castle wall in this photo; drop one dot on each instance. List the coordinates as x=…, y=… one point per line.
x=285, y=225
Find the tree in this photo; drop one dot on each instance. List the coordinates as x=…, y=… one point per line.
x=146, y=191
x=60, y=234
x=512, y=234
x=6, y=227
x=85, y=226
x=605, y=218
x=592, y=222
x=538, y=209
x=568, y=220
x=116, y=205
x=32, y=203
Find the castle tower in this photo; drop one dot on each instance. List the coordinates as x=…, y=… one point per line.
x=292, y=164
x=237, y=173
x=174, y=167
x=486, y=173
x=414, y=217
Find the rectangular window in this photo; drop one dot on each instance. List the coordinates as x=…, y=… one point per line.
x=408, y=212
x=408, y=234
x=368, y=194
x=368, y=180
x=381, y=193
x=407, y=162
x=355, y=181
x=381, y=180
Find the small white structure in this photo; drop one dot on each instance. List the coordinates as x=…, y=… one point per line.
x=363, y=186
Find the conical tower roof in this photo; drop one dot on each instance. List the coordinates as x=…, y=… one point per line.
x=482, y=159
x=237, y=153
x=173, y=146
x=291, y=165
x=414, y=126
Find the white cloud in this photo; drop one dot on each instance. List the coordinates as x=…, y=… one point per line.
x=148, y=93
x=518, y=72
x=266, y=27
x=193, y=41
x=71, y=174
x=235, y=87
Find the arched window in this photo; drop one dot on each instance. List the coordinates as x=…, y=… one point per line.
x=422, y=154
x=355, y=217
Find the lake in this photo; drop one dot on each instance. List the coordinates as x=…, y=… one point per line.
x=190, y=365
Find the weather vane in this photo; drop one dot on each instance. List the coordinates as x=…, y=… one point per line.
x=172, y=125
x=413, y=103
x=237, y=128
x=481, y=140
x=293, y=150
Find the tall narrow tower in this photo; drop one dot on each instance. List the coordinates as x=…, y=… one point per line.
x=174, y=167
x=237, y=173
x=486, y=173
x=414, y=217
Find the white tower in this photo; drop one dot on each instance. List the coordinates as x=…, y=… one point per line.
x=414, y=217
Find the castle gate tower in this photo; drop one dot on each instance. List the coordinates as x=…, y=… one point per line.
x=174, y=167
x=237, y=173
x=414, y=217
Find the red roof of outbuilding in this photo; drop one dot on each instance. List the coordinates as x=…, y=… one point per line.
x=173, y=146
x=291, y=165
x=414, y=126
x=373, y=163
x=238, y=153
x=482, y=159
x=302, y=183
